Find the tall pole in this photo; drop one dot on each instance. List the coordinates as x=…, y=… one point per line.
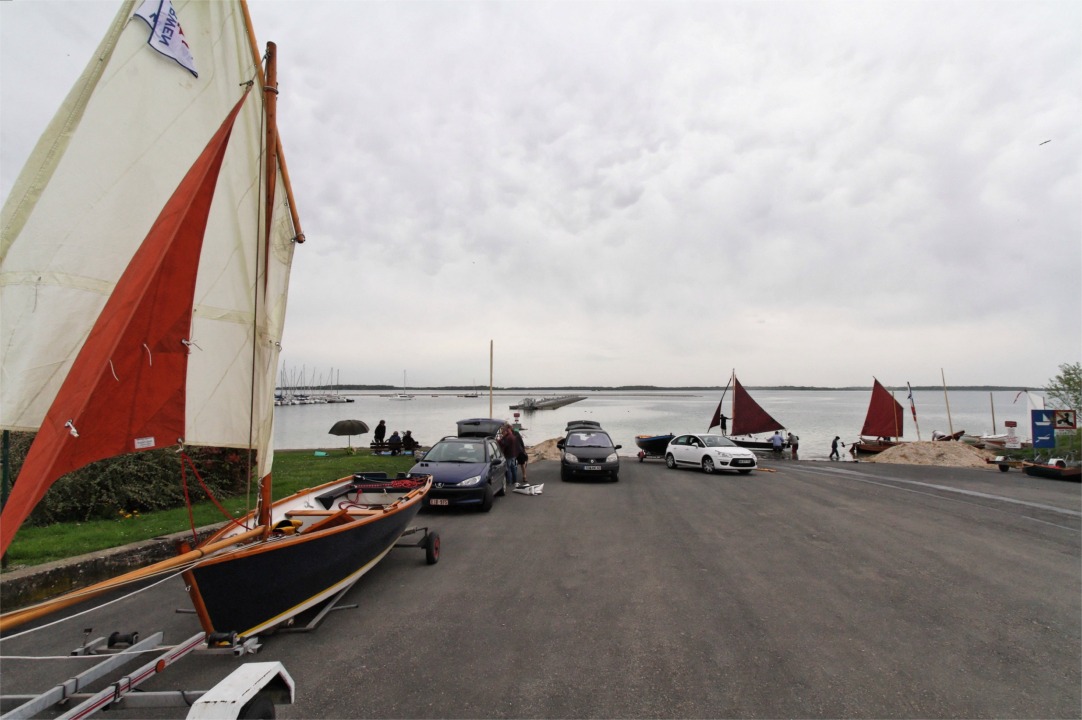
x=913, y=408
x=945, y=397
x=490, y=377
x=993, y=404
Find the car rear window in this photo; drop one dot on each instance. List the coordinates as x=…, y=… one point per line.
x=456, y=452
x=585, y=439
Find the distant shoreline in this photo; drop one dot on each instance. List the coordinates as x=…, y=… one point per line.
x=658, y=388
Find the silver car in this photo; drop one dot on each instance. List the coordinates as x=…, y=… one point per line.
x=710, y=452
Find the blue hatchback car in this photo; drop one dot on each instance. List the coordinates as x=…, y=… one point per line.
x=465, y=471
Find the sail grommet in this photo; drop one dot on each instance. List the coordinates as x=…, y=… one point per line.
x=71, y=428
x=189, y=344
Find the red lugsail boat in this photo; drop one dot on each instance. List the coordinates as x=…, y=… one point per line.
x=748, y=419
x=144, y=273
x=882, y=423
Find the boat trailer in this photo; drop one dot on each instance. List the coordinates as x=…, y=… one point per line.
x=312, y=619
x=250, y=691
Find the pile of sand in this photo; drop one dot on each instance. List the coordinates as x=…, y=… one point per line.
x=544, y=451
x=941, y=453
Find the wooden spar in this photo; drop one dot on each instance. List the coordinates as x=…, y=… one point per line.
x=270, y=102
x=949, y=423
x=993, y=404
x=256, y=59
x=16, y=618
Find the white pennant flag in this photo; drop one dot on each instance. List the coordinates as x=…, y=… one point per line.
x=166, y=35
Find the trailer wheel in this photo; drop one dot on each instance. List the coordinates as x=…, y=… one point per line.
x=432, y=548
x=1004, y=468
x=261, y=707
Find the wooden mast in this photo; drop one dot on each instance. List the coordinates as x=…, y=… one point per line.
x=270, y=105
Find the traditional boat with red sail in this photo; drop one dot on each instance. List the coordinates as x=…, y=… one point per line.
x=882, y=423
x=747, y=420
x=143, y=277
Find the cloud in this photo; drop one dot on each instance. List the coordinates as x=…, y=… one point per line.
x=621, y=193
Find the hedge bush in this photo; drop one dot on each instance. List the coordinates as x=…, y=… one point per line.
x=138, y=482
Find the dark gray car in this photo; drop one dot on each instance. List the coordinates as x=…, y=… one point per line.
x=588, y=453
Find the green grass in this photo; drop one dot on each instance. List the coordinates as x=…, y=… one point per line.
x=294, y=470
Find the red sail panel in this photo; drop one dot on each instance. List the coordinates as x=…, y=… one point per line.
x=748, y=417
x=885, y=414
x=126, y=388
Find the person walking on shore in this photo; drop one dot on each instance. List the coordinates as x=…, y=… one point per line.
x=834, y=455
x=794, y=443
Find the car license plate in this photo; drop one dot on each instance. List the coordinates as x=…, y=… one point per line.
x=742, y=462
x=438, y=501
x=592, y=467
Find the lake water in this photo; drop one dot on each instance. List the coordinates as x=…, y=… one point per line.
x=814, y=415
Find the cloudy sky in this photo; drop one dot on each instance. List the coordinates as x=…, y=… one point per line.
x=619, y=193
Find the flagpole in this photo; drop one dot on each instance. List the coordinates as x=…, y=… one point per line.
x=913, y=407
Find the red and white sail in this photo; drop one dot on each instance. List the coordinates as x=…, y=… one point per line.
x=105, y=173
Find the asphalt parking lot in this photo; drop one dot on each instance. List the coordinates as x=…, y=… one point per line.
x=819, y=590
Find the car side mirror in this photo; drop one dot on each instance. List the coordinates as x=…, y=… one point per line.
x=619, y=446
x=560, y=444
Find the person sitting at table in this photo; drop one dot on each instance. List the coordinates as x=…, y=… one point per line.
x=394, y=443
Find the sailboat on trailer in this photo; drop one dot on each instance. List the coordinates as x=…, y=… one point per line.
x=144, y=269
x=882, y=423
x=747, y=420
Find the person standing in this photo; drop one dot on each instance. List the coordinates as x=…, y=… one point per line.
x=834, y=455
x=380, y=432
x=521, y=457
x=794, y=443
x=509, y=448
x=777, y=442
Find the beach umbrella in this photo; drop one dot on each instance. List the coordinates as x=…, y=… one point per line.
x=349, y=428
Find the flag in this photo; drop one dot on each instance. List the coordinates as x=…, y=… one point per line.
x=912, y=404
x=166, y=35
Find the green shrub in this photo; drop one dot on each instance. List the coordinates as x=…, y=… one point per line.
x=138, y=482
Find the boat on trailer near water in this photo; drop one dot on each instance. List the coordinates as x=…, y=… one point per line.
x=160, y=322
x=652, y=446
x=748, y=420
x=882, y=423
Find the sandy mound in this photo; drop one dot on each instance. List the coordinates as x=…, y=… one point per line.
x=942, y=453
x=544, y=451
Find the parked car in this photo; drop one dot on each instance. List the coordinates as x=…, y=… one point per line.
x=465, y=471
x=588, y=451
x=710, y=452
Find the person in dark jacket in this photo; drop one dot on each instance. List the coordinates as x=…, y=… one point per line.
x=380, y=432
x=394, y=443
x=521, y=457
x=509, y=448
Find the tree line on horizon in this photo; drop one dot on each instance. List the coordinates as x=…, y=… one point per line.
x=624, y=388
